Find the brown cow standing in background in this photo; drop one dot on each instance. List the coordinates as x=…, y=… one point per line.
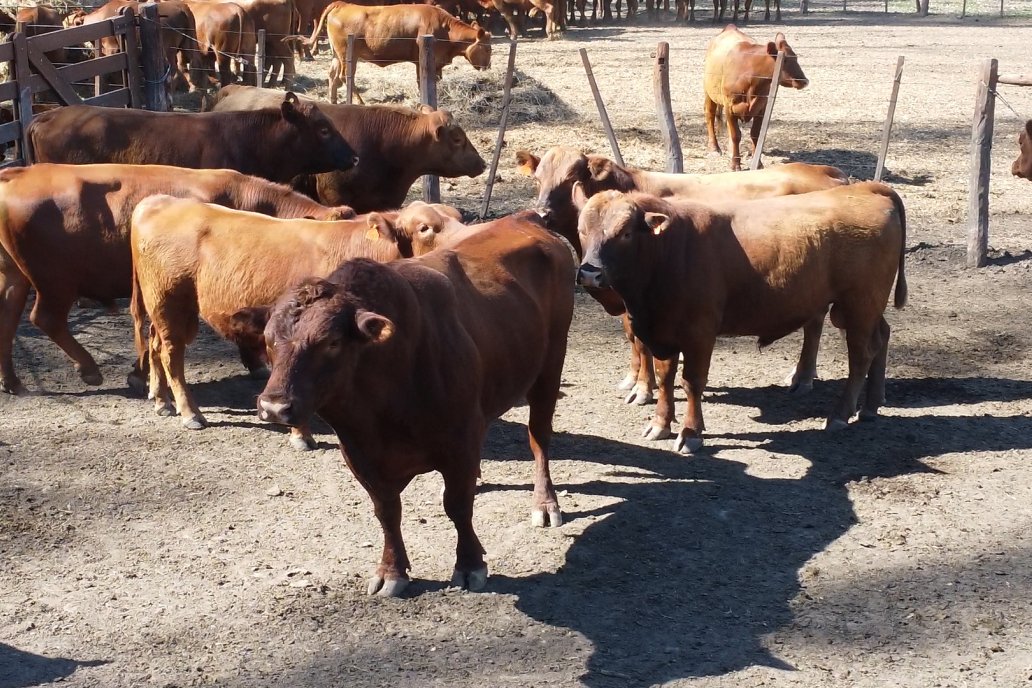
x=65, y=231
x=1022, y=165
x=689, y=273
x=45, y=19
x=409, y=362
x=737, y=78
x=225, y=32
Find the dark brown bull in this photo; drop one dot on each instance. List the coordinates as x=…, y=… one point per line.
x=395, y=145
x=277, y=144
x=409, y=362
x=689, y=273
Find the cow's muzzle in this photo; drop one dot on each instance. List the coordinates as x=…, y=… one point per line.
x=276, y=411
x=589, y=275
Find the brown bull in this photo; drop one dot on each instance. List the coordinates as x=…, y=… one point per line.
x=689, y=273
x=410, y=362
x=395, y=146
x=1022, y=165
x=226, y=32
x=64, y=230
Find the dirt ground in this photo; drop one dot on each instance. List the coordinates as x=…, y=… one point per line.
x=136, y=553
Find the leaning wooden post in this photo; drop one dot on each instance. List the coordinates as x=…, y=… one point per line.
x=349, y=69
x=428, y=96
x=661, y=85
x=963, y=9
x=506, y=99
x=981, y=158
x=603, y=115
x=771, y=95
x=259, y=58
x=887, y=130
x=155, y=67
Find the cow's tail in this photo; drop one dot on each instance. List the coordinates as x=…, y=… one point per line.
x=313, y=42
x=138, y=376
x=900, y=298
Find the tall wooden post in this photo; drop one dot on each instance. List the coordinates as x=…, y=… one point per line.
x=155, y=94
x=259, y=58
x=981, y=159
x=771, y=95
x=428, y=96
x=602, y=114
x=887, y=129
x=502, y=124
x=349, y=69
x=661, y=85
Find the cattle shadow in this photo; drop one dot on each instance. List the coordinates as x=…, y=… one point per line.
x=20, y=669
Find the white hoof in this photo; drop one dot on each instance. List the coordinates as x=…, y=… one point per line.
x=471, y=580
x=639, y=396
x=833, y=424
x=194, y=422
x=686, y=443
x=301, y=443
x=392, y=587
x=798, y=383
x=655, y=433
x=628, y=382
x=165, y=409
x=546, y=517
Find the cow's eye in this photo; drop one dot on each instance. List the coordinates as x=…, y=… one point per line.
x=324, y=131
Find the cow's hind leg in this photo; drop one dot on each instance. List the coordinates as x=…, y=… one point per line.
x=800, y=379
x=541, y=400
x=157, y=381
x=712, y=111
x=460, y=482
x=14, y=291
x=50, y=314
x=173, y=361
x=391, y=577
x=336, y=78
x=863, y=342
x=875, y=396
x=734, y=135
x=754, y=136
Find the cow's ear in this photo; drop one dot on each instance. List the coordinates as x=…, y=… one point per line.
x=289, y=108
x=427, y=109
x=250, y=320
x=772, y=49
x=779, y=39
x=657, y=222
x=482, y=35
x=379, y=228
x=580, y=197
x=527, y=163
x=600, y=168
x=373, y=326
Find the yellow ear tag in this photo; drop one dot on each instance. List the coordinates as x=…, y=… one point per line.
x=372, y=234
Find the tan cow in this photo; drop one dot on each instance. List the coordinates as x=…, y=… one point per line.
x=737, y=74
x=1022, y=165
x=225, y=32
x=689, y=273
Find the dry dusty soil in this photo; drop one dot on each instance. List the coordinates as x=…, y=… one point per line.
x=135, y=553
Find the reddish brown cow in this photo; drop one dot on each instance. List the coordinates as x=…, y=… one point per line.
x=554, y=11
x=193, y=259
x=410, y=362
x=43, y=19
x=1022, y=165
x=296, y=138
x=560, y=168
x=225, y=32
x=308, y=13
x=395, y=145
x=277, y=18
x=689, y=273
x=387, y=35
x=64, y=229
x=737, y=75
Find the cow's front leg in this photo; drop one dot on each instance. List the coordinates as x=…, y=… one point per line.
x=459, y=487
x=14, y=292
x=800, y=379
x=754, y=136
x=697, y=357
x=391, y=577
x=659, y=427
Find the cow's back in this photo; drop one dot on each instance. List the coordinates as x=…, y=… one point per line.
x=725, y=63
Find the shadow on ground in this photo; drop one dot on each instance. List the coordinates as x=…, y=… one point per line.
x=20, y=669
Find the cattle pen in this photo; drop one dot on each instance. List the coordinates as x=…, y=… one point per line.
x=134, y=553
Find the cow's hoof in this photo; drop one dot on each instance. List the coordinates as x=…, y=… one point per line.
x=11, y=386
x=165, y=409
x=687, y=442
x=546, y=516
x=833, y=424
x=628, y=382
x=638, y=397
x=868, y=415
x=799, y=384
x=302, y=443
x=392, y=587
x=655, y=433
x=194, y=422
x=713, y=154
x=259, y=373
x=470, y=580
x=91, y=377
x=137, y=384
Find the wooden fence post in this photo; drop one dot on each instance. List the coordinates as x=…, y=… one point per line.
x=259, y=58
x=887, y=130
x=963, y=9
x=661, y=85
x=603, y=115
x=771, y=95
x=22, y=74
x=981, y=159
x=349, y=69
x=155, y=95
x=428, y=96
x=502, y=124
x=133, y=77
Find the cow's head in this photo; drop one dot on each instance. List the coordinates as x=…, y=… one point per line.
x=1022, y=167
x=317, y=141
x=450, y=153
x=620, y=237
x=479, y=51
x=427, y=225
x=791, y=73
x=318, y=333
x=556, y=172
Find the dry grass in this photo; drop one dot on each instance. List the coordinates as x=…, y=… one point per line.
x=475, y=98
